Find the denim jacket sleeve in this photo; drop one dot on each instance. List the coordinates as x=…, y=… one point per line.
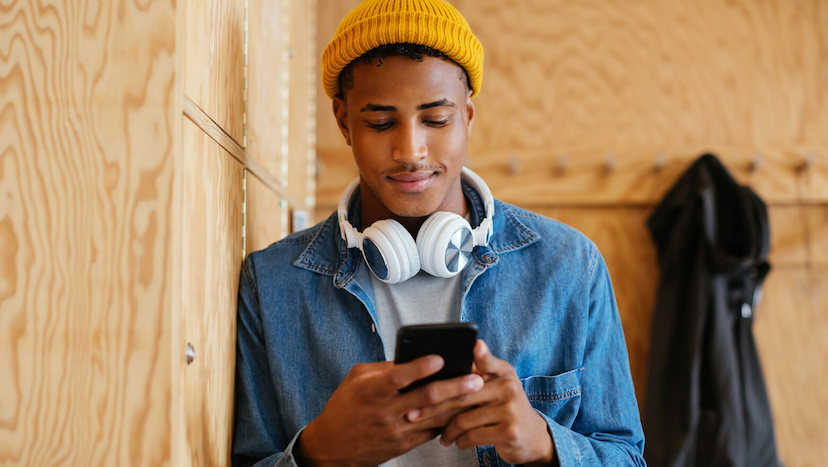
x=256, y=440
x=607, y=428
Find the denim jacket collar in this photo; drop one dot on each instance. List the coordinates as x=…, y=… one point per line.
x=328, y=254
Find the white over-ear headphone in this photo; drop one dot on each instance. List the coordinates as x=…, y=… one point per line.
x=443, y=247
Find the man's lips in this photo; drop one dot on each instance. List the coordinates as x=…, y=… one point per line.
x=411, y=182
x=410, y=176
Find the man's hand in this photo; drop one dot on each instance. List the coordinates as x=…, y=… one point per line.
x=500, y=415
x=367, y=421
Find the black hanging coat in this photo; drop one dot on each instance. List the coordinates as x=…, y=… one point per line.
x=706, y=400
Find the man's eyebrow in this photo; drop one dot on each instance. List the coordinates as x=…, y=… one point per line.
x=440, y=103
x=391, y=108
x=378, y=108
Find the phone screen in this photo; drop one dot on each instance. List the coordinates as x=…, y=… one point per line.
x=452, y=341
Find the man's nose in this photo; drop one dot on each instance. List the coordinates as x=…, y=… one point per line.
x=409, y=144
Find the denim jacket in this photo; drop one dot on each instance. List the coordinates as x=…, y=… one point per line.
x=539, y=292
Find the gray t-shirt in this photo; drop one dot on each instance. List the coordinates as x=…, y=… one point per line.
x=419, y=300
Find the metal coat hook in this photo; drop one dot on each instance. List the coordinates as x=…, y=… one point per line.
x=609, y=163
x=189, y=353
x=807, y=162
x=659, y=162
x=562, y=164
x=514, y=164
x=756, y=162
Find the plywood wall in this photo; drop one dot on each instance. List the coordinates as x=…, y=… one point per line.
x=236, y=192
x=591, y=110
x=268, y=73
x=87, y=147
x=124, y=162
x=212, y=223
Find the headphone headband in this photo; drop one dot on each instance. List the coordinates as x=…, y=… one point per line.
x=482, y=233
x=346, y=230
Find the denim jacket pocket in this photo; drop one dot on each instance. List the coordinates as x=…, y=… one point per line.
x=559, y=396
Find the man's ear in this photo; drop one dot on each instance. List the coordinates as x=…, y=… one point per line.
x=470, y=113
x=341, y=114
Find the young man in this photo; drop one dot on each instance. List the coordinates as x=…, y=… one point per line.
x=319, y=310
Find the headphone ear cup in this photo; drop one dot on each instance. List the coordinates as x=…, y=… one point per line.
x=445, y=242
x=398, y=259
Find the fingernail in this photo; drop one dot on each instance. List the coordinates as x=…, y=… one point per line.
x=413, y=415
x=437, y=362
x=475, y=383
x=443, y=441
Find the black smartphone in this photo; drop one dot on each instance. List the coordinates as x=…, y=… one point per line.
x=452, y=341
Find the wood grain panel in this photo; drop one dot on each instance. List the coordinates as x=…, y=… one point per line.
x=303, y=82
x=217, y=134
x=816, y=175
x=790, y=245
x=211, y=257
x=85, y=301
x=335, y=166
x=817, y=218
x=791, y=331
x=214, y=60
x=267, y=219
x=328, y=138
x=642, y=72
x=268, y=75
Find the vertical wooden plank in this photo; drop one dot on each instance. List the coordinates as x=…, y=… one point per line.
x=329, y=14
x=303, y=82
x=791, y=329
x=211, y=256
x=268, y=82
x=84, y=221
x=269, y=71
x=214, y=61
x=789, y=236
x=335, y=166
x=817, y=222
x=266, y=215
x=816, y=172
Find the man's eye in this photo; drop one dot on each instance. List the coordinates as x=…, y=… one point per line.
x=379, y=125
x=437, y=123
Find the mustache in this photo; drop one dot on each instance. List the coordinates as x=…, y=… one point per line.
x=416, y=168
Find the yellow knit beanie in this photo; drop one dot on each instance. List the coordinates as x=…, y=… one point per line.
x=432, y=23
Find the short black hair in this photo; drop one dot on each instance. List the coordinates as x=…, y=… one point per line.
x=401, y=49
